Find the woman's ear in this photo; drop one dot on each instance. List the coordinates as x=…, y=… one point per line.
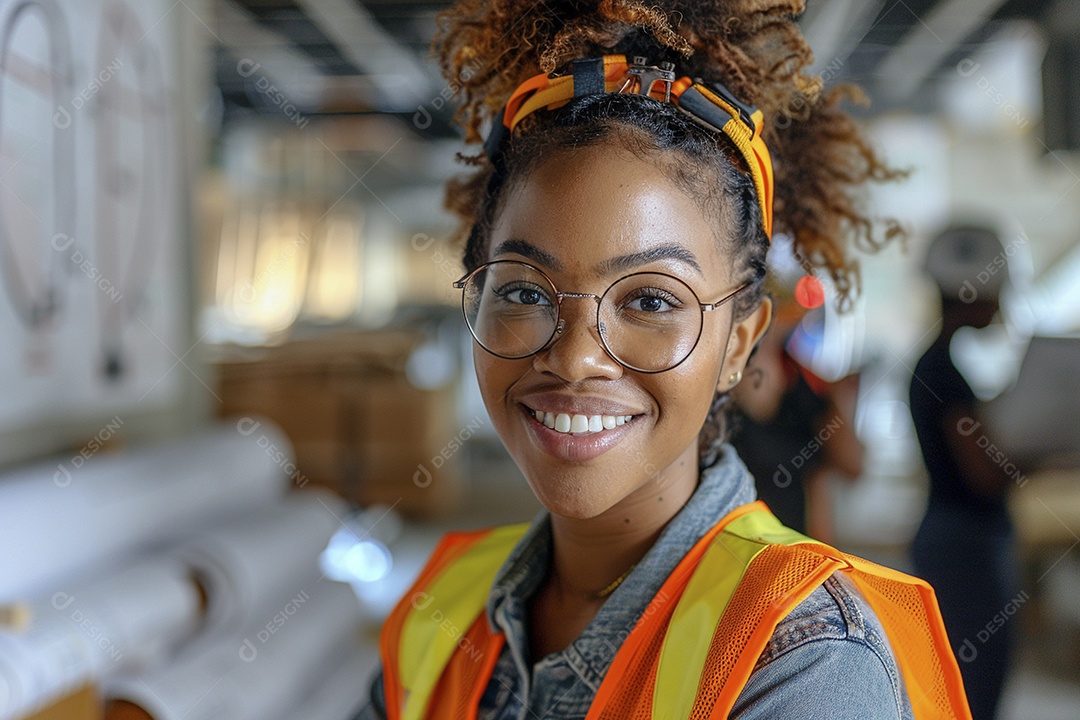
x=744, y=337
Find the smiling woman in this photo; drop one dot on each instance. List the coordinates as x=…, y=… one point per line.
x=616, y=230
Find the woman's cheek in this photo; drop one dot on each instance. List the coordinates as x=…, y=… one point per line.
x=495, y=376
x=691, y=387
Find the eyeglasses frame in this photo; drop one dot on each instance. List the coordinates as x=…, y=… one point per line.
x=560, y=324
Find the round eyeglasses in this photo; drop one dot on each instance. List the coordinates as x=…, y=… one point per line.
x=648, y=322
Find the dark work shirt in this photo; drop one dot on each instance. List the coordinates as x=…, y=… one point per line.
x=937, y=388
x=782, y=452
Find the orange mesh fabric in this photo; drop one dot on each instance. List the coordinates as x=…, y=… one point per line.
x=451, y=547
x=776, y=580
x=627, y=689
x=633, y=699
x=918, y=640
x=779, y=578
x=462, y=683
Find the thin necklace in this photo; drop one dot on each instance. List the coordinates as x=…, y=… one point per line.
x=600, y=595
x=617, y=582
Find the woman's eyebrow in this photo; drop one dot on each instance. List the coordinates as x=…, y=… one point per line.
x=633, y=260
x=530, y=251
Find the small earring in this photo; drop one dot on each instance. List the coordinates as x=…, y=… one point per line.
x=735, y=378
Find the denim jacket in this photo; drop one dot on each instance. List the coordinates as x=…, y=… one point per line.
x=829, y=659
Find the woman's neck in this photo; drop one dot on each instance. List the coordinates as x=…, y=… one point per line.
x=590, y=554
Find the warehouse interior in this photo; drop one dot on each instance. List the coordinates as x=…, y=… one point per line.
x=238, y=402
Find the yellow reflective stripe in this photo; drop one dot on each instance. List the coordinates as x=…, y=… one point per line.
x=706, y=597
x=753, y=149
x=445, y=610
x=700, y=608
x=759, y=120
x=763, y=526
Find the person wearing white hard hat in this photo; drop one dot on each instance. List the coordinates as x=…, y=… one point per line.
x=965, y=544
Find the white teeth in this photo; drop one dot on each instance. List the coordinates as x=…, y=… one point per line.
x=566, y=423
x=562, y=423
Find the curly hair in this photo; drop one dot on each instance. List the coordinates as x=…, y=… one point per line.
x=486, y=48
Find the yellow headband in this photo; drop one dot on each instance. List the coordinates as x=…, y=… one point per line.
x=711, y=105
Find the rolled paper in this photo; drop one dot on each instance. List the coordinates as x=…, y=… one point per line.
x=129, y=620
x=252, y=676
x=65, y=519
x=344, y=691
x=247, y=566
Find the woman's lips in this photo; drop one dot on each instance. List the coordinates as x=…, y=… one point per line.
x=573, y=444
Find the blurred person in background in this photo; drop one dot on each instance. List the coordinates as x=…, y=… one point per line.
x=794, y=429
x=965, y=545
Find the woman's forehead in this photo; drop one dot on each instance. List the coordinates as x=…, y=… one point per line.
x=600, y=210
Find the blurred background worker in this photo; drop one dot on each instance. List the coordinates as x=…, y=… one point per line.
x=965, y=545
x=795, y=428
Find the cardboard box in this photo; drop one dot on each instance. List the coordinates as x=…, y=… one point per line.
x=357, y=425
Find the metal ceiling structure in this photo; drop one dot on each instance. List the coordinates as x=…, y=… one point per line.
x=901, y=47
x=371, y=56
x=329, y=57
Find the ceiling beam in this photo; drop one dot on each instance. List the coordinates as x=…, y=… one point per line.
x=399, y=76
x=264, y=53
x=934, y=37
x=836, y=27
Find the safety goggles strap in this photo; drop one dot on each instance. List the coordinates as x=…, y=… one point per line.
x=712, y=105
x=588, y=76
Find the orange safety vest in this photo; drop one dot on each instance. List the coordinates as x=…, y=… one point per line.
x=741, y=579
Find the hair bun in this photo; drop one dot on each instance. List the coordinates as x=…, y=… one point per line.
x=487, y=48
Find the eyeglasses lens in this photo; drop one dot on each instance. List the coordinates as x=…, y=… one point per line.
x=648, y=321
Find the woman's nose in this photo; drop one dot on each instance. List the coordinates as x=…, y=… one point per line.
x=576, y=352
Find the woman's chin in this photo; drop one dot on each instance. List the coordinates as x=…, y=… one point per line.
x=568, y=499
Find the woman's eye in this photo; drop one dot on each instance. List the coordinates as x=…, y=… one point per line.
x=650, y=304
x=524, y=296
